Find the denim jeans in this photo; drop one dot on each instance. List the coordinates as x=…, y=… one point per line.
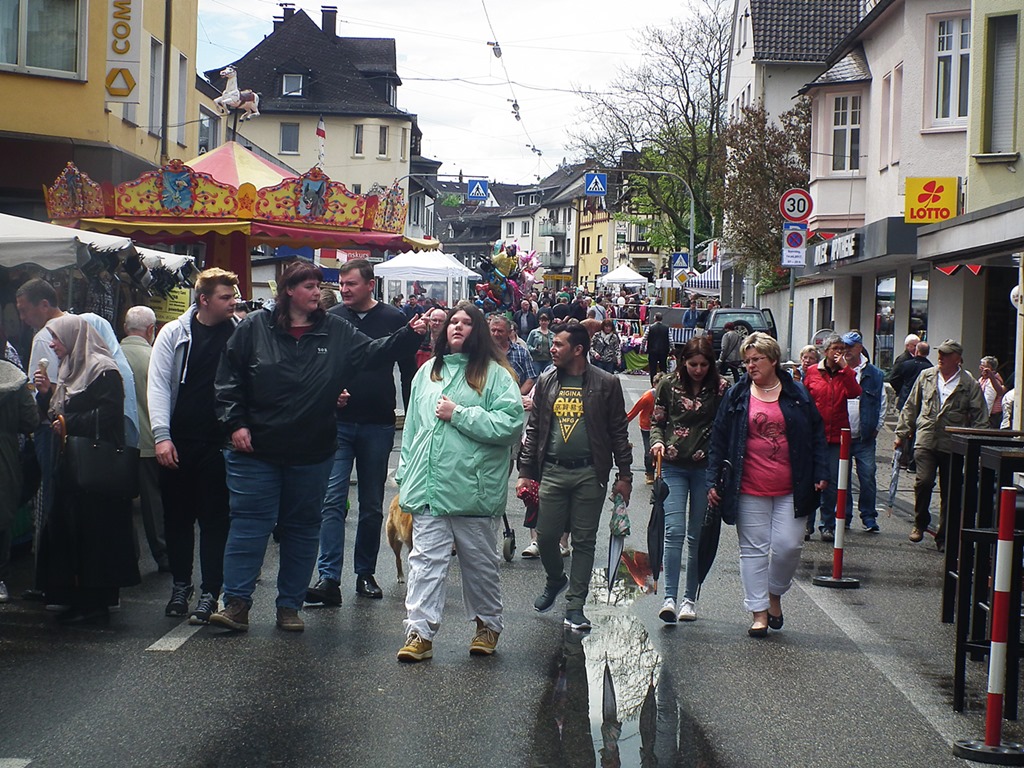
x=828, y=496
x=368, y=447
x=683, y=522
x=265, y=495
x=862, y=456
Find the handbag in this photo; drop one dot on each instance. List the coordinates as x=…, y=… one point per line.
x=101, y=467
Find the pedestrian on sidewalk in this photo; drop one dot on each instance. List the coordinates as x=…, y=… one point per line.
x=993, y=388
x=902, y=379
x=772, y=436
x=577, y=427
x=686, y=404
x=832, y=383
x=644, y=408
x=657, y=342
x=943, y=396
x=867, y=415
x=277, y=390
x=465, y=415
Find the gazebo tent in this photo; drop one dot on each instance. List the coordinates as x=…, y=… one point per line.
x=707, y=283
x=623, y=276
x=424, y=266
x=26, y=241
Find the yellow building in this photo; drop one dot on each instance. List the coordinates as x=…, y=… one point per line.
x=61, y=79
x=595, y=243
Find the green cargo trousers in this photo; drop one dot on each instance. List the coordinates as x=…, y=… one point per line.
x=576, y=496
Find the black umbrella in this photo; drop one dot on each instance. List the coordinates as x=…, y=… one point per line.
x=894, y=477
x=711, y=530
x=656, y=527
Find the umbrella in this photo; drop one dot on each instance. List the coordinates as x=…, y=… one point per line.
x=656, y=527
x=648, y=726
x=620, y=530
x=611, y=728
x=711, y=530
x=894, y=478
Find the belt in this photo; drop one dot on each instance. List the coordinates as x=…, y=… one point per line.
x=569, y=463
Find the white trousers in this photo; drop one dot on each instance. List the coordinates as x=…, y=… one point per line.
x=770, y=540
x=475, y=540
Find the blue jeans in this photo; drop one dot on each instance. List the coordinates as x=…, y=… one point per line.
x=265, y=495
x=862, y=456
x=368, y=447
x=689, y=483
x=828, y=496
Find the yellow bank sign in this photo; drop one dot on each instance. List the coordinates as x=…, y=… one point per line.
x=124, y=50
x=930, y=200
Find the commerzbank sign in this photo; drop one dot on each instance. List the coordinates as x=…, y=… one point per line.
x=124, y=50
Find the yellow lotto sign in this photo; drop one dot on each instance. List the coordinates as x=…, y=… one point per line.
x=930, y=200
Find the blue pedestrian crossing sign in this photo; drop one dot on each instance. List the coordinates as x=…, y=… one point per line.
x=681, y=260
x=476, y=189
x=595, y=184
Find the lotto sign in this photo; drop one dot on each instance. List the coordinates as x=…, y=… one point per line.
x=930, y=200
x=795, y=205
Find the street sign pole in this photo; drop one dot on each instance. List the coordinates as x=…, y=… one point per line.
x=792, y=297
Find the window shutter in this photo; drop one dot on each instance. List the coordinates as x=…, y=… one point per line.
x=1004, y=63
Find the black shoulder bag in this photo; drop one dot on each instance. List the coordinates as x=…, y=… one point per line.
x=101, y=467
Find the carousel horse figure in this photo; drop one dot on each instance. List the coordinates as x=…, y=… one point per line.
x=232, y=98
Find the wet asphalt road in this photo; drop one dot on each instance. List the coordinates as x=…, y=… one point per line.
x=856, y=678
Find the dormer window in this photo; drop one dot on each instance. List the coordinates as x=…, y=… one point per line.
x=292, y=85
x=521, y=200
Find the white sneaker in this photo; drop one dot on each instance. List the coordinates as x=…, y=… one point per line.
x=532, y=551
x=5, y=596
x=564, y=550
x=668, y=611
x=687, y=610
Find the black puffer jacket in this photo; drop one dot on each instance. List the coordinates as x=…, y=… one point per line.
x=285, y=391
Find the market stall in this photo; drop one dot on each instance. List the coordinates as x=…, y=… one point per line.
x=622, y=276
x=434, y=273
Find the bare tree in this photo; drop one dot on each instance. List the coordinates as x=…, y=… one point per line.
x=668, y=115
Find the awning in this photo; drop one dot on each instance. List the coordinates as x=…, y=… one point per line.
x=989, y=233
x=233, y=164
x=177, y=227
x=30, y=242
x=707, y=283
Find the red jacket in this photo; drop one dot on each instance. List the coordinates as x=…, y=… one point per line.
x=830, y=391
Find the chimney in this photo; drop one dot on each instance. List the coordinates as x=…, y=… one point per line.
x=330, y=20
x=287, y=10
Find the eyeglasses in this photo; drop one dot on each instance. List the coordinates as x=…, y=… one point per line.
x=754, y=360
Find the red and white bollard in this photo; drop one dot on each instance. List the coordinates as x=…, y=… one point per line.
x=837, y=580
x=993, y=749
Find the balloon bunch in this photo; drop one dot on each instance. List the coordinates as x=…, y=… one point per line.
x=507, y=275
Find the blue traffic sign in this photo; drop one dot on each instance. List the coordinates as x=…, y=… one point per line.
x=681, y=260
x=595, y=184
x=604, y=269
x=476, y=189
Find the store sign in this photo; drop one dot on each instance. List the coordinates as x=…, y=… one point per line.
x=839, y=248
x=124, y=51
x=172, y=306
x=930, y=200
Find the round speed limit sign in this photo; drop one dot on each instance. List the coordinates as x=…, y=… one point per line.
x=795, y=205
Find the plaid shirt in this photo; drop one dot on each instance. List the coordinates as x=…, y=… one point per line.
x=521, y=362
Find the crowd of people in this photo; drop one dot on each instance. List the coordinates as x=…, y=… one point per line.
x=250, y=425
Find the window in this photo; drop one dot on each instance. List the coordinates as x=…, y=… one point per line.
x=521, y=200
x=416, y=210
x=897, y=115
x=382, y=144
x=291, y=85
x=357, y=148
x=600, y=243
x=156, y=85
x=405, y=143
x=392, y=93
x=885, y=321
x=182, y=99
x=533, y=199
x=526, y=227
x=510, y=229
x=919, y=304
x=951, y=72
x=1002, y=80
x=289, y=138
x=357, y=189
x=846, y=133
x=886, y=127
x=209, y=131
x=43, y=36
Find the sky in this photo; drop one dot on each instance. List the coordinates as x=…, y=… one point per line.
x=549, y=49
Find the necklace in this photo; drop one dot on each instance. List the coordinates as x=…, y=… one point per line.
x=771, y=388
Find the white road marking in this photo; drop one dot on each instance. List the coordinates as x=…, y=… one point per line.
x=919, y=692
x=173, y=640
x=14, y=762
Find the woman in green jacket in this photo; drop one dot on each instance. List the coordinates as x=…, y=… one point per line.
x=465, y=414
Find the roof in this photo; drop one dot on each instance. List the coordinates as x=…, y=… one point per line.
x=800, y=30
x=846, y=43
x=853, y=68
x=343, y=74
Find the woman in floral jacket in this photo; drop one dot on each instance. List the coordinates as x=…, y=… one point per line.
x=686, y=403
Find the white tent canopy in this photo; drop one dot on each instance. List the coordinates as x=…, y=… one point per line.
x=623, y=276
x=708, y=283
x=427, y=267
x=30, y=242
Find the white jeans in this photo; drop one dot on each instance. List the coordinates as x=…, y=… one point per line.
x=475, y=540
x=770, y=542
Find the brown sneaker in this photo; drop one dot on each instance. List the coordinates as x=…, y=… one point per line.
x=649, y=477
x=289, y=620
x=416, y=649
x=235, y=615
x=916, y=534
x=484, y=641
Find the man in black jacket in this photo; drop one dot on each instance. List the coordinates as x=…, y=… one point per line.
x=366, y=436
x=658, y=346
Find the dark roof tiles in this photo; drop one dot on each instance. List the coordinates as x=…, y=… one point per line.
x=800, y=30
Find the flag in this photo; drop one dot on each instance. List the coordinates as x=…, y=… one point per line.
x=321, y=141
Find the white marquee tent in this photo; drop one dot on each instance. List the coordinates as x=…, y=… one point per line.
x=28, y=242
x=623, y=276
x=425, y=267
x=707, y=283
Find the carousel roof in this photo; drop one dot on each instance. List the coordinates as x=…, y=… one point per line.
x=231, y=163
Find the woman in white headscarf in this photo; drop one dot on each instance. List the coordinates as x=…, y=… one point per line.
x=87, y=546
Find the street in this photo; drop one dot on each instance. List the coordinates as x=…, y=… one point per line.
x=856, y=678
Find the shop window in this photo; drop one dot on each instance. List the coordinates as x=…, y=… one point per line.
x=885, y=321
x=919, y=304
x=43, y=37
x=846, y=133
x=951, y=59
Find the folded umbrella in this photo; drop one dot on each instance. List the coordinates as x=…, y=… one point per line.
x=894, y=478
x=619, y=531
x=711, y=529
x=656, y=526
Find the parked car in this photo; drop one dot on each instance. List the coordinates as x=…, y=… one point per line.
x=746, y=319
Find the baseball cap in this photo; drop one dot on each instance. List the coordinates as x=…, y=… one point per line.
x=851, y=338
x=950, y=347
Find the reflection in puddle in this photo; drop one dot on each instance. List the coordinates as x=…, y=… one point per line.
x=612, y=703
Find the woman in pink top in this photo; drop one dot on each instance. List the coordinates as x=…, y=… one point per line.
x=766, y=469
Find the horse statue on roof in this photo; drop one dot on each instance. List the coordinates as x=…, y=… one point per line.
x=232, y=98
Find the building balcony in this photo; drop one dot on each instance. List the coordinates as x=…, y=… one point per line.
x=548, y=228
x=641, y=247
x=552, y=259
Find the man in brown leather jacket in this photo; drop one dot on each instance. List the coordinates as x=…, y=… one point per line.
x=577, y=426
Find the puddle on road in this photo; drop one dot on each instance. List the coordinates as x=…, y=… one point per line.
x=612, y=703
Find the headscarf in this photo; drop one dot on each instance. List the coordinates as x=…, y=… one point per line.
x=87, y=358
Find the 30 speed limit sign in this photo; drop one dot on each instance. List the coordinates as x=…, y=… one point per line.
x=795, y=205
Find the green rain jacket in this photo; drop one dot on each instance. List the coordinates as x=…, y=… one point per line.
x=459, y=467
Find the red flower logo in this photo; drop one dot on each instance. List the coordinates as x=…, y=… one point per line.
x=932, y=193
